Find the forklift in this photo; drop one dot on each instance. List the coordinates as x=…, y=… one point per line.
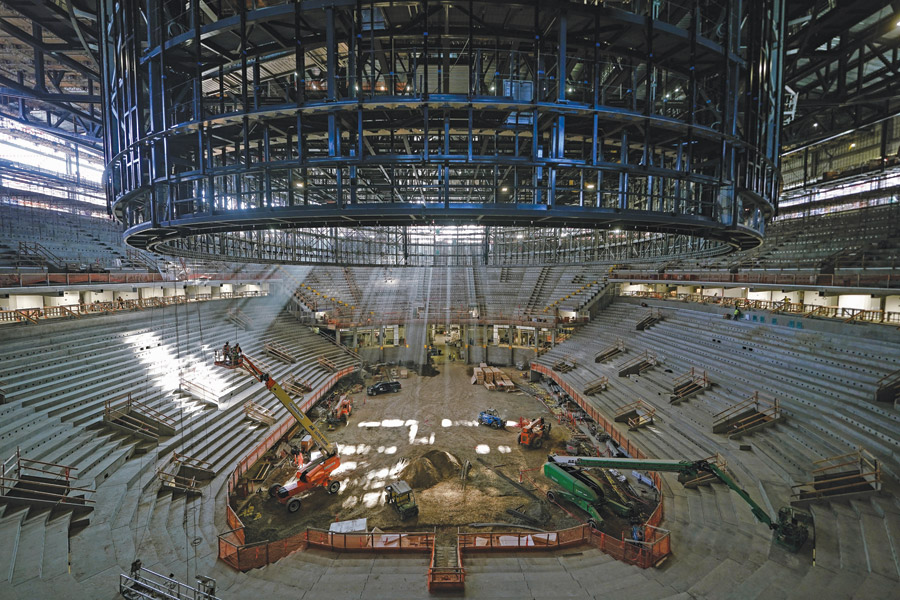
x=534, y=433
x=340, y=412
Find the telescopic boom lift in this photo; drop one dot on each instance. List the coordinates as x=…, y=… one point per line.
x=314, y=473
x=790, y=527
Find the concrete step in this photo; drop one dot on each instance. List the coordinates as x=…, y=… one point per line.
x=827, y=549
x=30, y=549
x=55, y=560
x=850, y=538
x=10, y=531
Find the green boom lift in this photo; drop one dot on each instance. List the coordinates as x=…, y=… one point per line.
x=790, y=528
x=583, y=490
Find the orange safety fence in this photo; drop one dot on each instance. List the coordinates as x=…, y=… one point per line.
x=400, y=542
x=241, y=556
x=642, y=554
x=446, y=578
x=659, y=548
x=233, y=550
x=524, y=540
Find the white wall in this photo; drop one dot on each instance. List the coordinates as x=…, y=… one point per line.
x=764, y=295
x=710, y=292
x=636, y=287
x=813, y=299
x=171, y=291
x=891, y=303
x=796, y=297
x=735, y=292
x=862, y=301
x=91, y=296
x=685, y=289
x=67, y=299
x=150, y=292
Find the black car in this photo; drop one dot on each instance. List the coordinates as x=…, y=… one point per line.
x=385, y=387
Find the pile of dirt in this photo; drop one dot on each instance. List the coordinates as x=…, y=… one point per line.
x=429, y=469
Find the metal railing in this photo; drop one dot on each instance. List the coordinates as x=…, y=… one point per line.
x=868, y=279
x=45, y=279
x=36, y=315
x=780, y=306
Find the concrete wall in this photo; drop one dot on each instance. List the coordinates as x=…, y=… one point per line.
x=23, y=301
x=91, y=296
x=814, y=299
x=761, y=295
x=892, y=304
x=67, y=299
x=863, y=301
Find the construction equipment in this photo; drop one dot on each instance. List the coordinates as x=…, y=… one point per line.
x=790, y=527
x=310, y=475
x=584, y=491
x=491, y=418
x=401, y=497
x=341, y=411
x=534, y=433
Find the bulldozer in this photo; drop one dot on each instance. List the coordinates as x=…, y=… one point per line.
x=401, y=497
x=534, y=433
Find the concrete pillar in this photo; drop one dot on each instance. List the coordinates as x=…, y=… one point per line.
x=355, y=338
x=553, y=338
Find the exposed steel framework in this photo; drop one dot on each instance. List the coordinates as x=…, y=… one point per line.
x=231, y=123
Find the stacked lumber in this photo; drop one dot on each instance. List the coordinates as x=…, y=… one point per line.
x=492, y=378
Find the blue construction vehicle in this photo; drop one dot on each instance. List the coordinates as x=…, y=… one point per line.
x=491, y=418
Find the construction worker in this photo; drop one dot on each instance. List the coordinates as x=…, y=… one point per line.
x=737, y=313
x=238, y=354
x=226, y=353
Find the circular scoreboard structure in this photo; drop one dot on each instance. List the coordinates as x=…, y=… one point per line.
x=358, y=132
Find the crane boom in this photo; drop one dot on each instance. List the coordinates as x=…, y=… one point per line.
x=323, y=443
x=685, y=467
x=790, y=527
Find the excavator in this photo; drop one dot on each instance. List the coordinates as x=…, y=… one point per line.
x=790, y=527
x=310, y=475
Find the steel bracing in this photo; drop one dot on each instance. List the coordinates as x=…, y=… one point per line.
x=230, y=123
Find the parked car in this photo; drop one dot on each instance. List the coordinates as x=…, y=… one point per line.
x=385, y=387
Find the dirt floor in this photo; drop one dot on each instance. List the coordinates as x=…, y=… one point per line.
x=424, y=435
